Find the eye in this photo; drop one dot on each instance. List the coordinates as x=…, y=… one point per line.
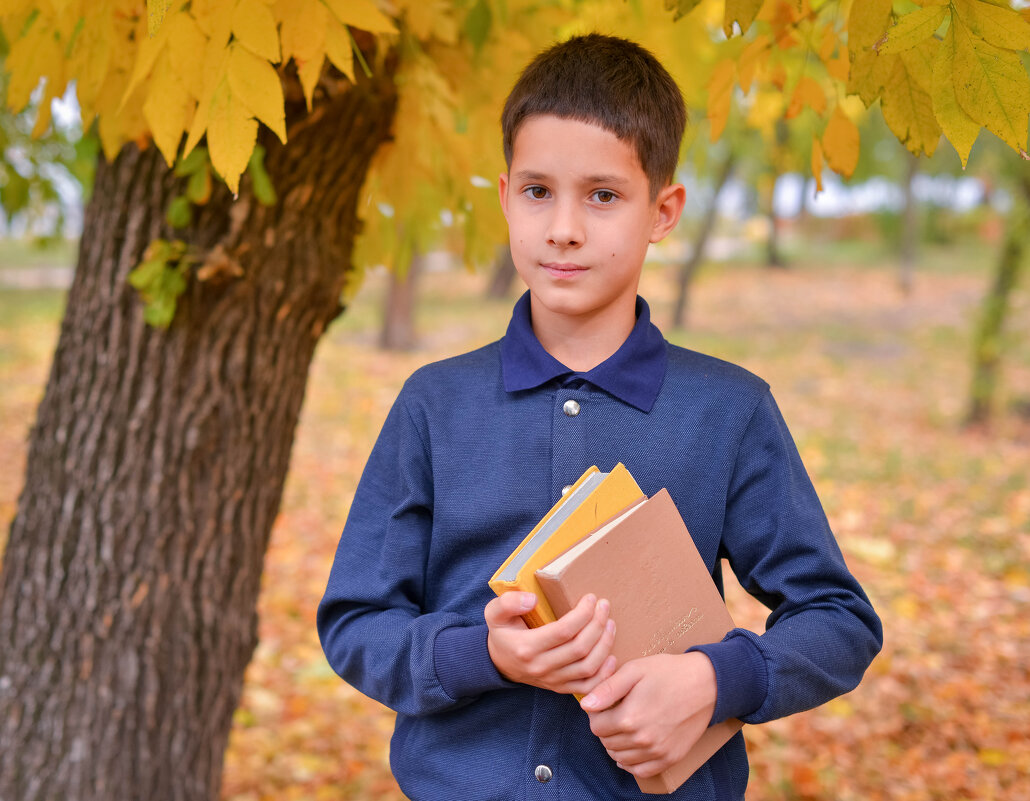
x=604, y=196
x=535, y=192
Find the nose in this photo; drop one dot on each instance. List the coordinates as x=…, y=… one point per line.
x=565, y=228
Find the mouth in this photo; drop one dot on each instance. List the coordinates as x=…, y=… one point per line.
x=563, y=270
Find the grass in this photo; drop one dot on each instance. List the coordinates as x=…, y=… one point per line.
x=933, y=518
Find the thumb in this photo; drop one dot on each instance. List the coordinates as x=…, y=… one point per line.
x=508, y=607
x=612, y=690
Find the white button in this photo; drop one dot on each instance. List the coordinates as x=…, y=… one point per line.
x=543, y=774
x=571, y=408
x=565, y=489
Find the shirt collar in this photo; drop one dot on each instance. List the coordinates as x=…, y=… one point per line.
x=633, y=374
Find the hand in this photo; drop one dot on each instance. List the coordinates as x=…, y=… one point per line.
x=652, y=710
x=570, y=655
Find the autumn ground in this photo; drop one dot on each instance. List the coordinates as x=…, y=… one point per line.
x=933, y=518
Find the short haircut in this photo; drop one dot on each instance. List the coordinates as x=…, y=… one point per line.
x=610, y=82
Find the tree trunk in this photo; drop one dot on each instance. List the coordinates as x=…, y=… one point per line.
x=689, y=268
x=503, y=275
x=156, y=464
x=773, y=255
x=398, y=332
x=987, y=339
x=909, y=227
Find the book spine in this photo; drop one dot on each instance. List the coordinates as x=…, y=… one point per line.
x=555, y=595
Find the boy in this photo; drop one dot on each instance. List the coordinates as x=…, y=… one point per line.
x=477, y=448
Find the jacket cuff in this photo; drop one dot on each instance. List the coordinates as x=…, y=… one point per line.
x=462, y=662
x=740, y=674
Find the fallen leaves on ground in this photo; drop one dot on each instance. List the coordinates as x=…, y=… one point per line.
x=933, y=518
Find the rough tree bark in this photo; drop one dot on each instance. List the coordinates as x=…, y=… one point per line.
x=156, y=465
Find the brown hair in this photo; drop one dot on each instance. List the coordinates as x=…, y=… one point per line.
x=610, y=82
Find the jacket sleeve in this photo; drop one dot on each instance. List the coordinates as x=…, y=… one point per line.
x=372, y=621
x=822, y=632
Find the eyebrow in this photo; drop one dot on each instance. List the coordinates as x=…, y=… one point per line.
x=529, y=175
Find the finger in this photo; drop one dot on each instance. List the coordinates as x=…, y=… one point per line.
x=580, y=657
x=645, y=769
x=568, y=625
x=508, y=607
x=612, y=690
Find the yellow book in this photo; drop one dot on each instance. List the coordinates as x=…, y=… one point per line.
x=592, y=501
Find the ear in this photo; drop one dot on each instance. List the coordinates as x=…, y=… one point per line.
x=502, y=191
x=668, y=208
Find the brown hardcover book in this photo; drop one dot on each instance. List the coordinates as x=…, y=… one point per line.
x=663, y=600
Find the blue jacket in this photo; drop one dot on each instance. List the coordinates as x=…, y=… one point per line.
x=474, y=452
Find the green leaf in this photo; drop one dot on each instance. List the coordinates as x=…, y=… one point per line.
x=146, y=274
x=14, y=194
x=477, y=24
x=195, y=161
x=198, y=188
x=911, y=29
x=180, y=212
x=263, y=189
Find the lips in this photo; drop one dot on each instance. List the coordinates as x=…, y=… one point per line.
x=563, y=270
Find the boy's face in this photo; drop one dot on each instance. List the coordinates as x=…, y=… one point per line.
x=580, y=217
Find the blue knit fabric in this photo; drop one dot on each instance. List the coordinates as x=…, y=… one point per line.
x=474, y=451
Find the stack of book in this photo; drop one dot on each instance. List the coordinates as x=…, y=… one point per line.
x=605, y=537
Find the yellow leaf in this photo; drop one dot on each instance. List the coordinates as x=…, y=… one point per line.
x=841, y=143
x=214, y=18
x=55, y=87
x=866, y=23
x=911, y=29
x=255, y=83
x=1001, y=27
x=361, y=14
x=29, y=60
x=720, y=96
x=231, y=133
x=743, y=12
x=156, y=10
x=817, y=164
x=186, y=47
x=919, y=63
x=869, y=73
x=301, y=37
x=216, y=60
x=338, y=48
x=993, y=88
x=753, y=53
x=254, y=25
x=839, y=68
x=907, y=107
x=90, y=60
x=809, y=93
x=166, y=109
x=310, y=73
x=993, y=757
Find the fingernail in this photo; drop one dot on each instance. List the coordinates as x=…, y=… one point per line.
x=588, y=702
x=610, y=626
x=528, y=600
x=604, y=606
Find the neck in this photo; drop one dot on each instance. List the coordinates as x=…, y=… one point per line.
x=581, y=343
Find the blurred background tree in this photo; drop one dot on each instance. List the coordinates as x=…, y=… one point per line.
x=256, y=158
